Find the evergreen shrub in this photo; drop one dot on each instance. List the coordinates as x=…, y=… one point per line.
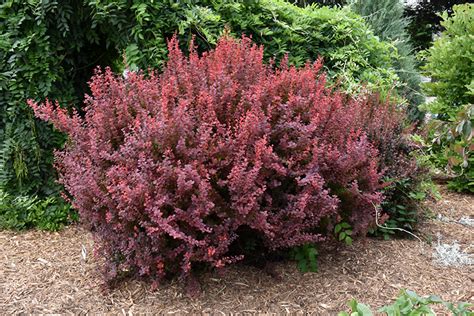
x=386, y=17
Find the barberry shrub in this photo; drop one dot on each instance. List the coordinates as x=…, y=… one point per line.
x=169, y=171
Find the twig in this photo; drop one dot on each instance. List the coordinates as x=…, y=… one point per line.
x=392, y=228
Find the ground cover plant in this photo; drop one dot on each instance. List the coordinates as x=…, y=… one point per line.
x=408, y=303
x=189, y=167
x=450, y=65
x=23, y=212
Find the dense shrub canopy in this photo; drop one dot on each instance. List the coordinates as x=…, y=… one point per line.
x=168, y=170
x=425, y=20
x=49, y=48
x=450, y=64
x=351, y=52
x=387, y=20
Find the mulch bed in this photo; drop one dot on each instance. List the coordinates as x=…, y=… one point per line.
x=45, y=273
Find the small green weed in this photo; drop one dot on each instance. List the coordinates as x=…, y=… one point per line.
x=343, y=232
x=306, y=257
x=409, y=303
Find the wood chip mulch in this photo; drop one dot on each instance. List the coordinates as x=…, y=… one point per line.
x=46, y=273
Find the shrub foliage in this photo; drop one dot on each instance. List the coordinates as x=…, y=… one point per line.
x=352, y=53
x=49, y=49
x=425, y=20
x=387, y=20
x=450, y=64
x=172, y=170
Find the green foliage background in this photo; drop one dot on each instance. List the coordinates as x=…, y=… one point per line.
x=425, y=20
x=450, y=64
x=49, y=48
x=352, y=53
x=386, y=18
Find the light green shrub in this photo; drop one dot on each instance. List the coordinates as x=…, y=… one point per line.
x=450, y=64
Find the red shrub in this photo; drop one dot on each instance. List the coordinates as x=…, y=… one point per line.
x=166, y=169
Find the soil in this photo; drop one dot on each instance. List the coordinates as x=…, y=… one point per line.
x=44, y=272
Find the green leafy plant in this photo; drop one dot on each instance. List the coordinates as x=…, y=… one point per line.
x=23, y=212
x=403, y=203
x=425, y=20
x=47, y=49
x=409, y=303
x=306, y=257
x=452, y=146
x=450, y=64
x=343, y=232
x=402, y=209
x=357, y=309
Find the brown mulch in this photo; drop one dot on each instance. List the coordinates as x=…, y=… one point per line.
x=45, y=273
